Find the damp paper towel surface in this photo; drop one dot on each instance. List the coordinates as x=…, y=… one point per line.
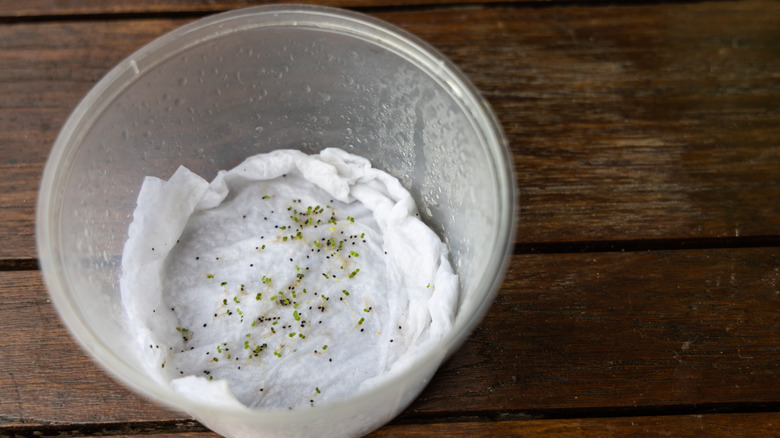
x=287, y=281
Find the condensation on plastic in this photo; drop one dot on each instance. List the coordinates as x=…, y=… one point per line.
x=213, y=92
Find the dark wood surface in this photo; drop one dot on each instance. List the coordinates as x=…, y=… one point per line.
x=643, y=298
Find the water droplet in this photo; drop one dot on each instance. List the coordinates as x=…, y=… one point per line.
x=182, y=81
x=306, y=88
x=324, y=97
x=258, y=129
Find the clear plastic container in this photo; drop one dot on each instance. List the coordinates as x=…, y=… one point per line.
x=235, y=84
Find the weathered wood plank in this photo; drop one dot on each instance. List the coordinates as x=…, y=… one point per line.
x=567, y=332
x=47, y=70
x=622, y=329
x=46, y=377
x=626, y=122
x=632, y=122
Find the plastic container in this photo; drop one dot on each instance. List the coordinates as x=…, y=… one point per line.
x=213, y=92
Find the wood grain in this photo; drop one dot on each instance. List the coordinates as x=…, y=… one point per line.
x=631, y=122
x=568, y=332
x=626, y=122
x=46, y=376
x=47, y=70
x=622, y=329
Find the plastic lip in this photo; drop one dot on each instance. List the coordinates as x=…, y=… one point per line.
x=400, y=43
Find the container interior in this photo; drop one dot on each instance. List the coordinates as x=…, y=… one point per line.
x=222, y=96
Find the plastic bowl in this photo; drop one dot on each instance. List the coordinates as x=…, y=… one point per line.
x=225, y=87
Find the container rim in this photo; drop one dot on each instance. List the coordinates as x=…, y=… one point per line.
x=212, y=27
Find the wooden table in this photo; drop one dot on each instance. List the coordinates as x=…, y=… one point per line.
x=643, y=295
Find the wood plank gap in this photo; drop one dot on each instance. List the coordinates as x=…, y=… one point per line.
x=639, y=245
x=192, y=426
x=590, y=412
x=524, y=4
x=19, y=264
x=129, y=16
x=104, y=429
x=422, y=7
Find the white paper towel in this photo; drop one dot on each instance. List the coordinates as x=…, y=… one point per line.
x=287, y=281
